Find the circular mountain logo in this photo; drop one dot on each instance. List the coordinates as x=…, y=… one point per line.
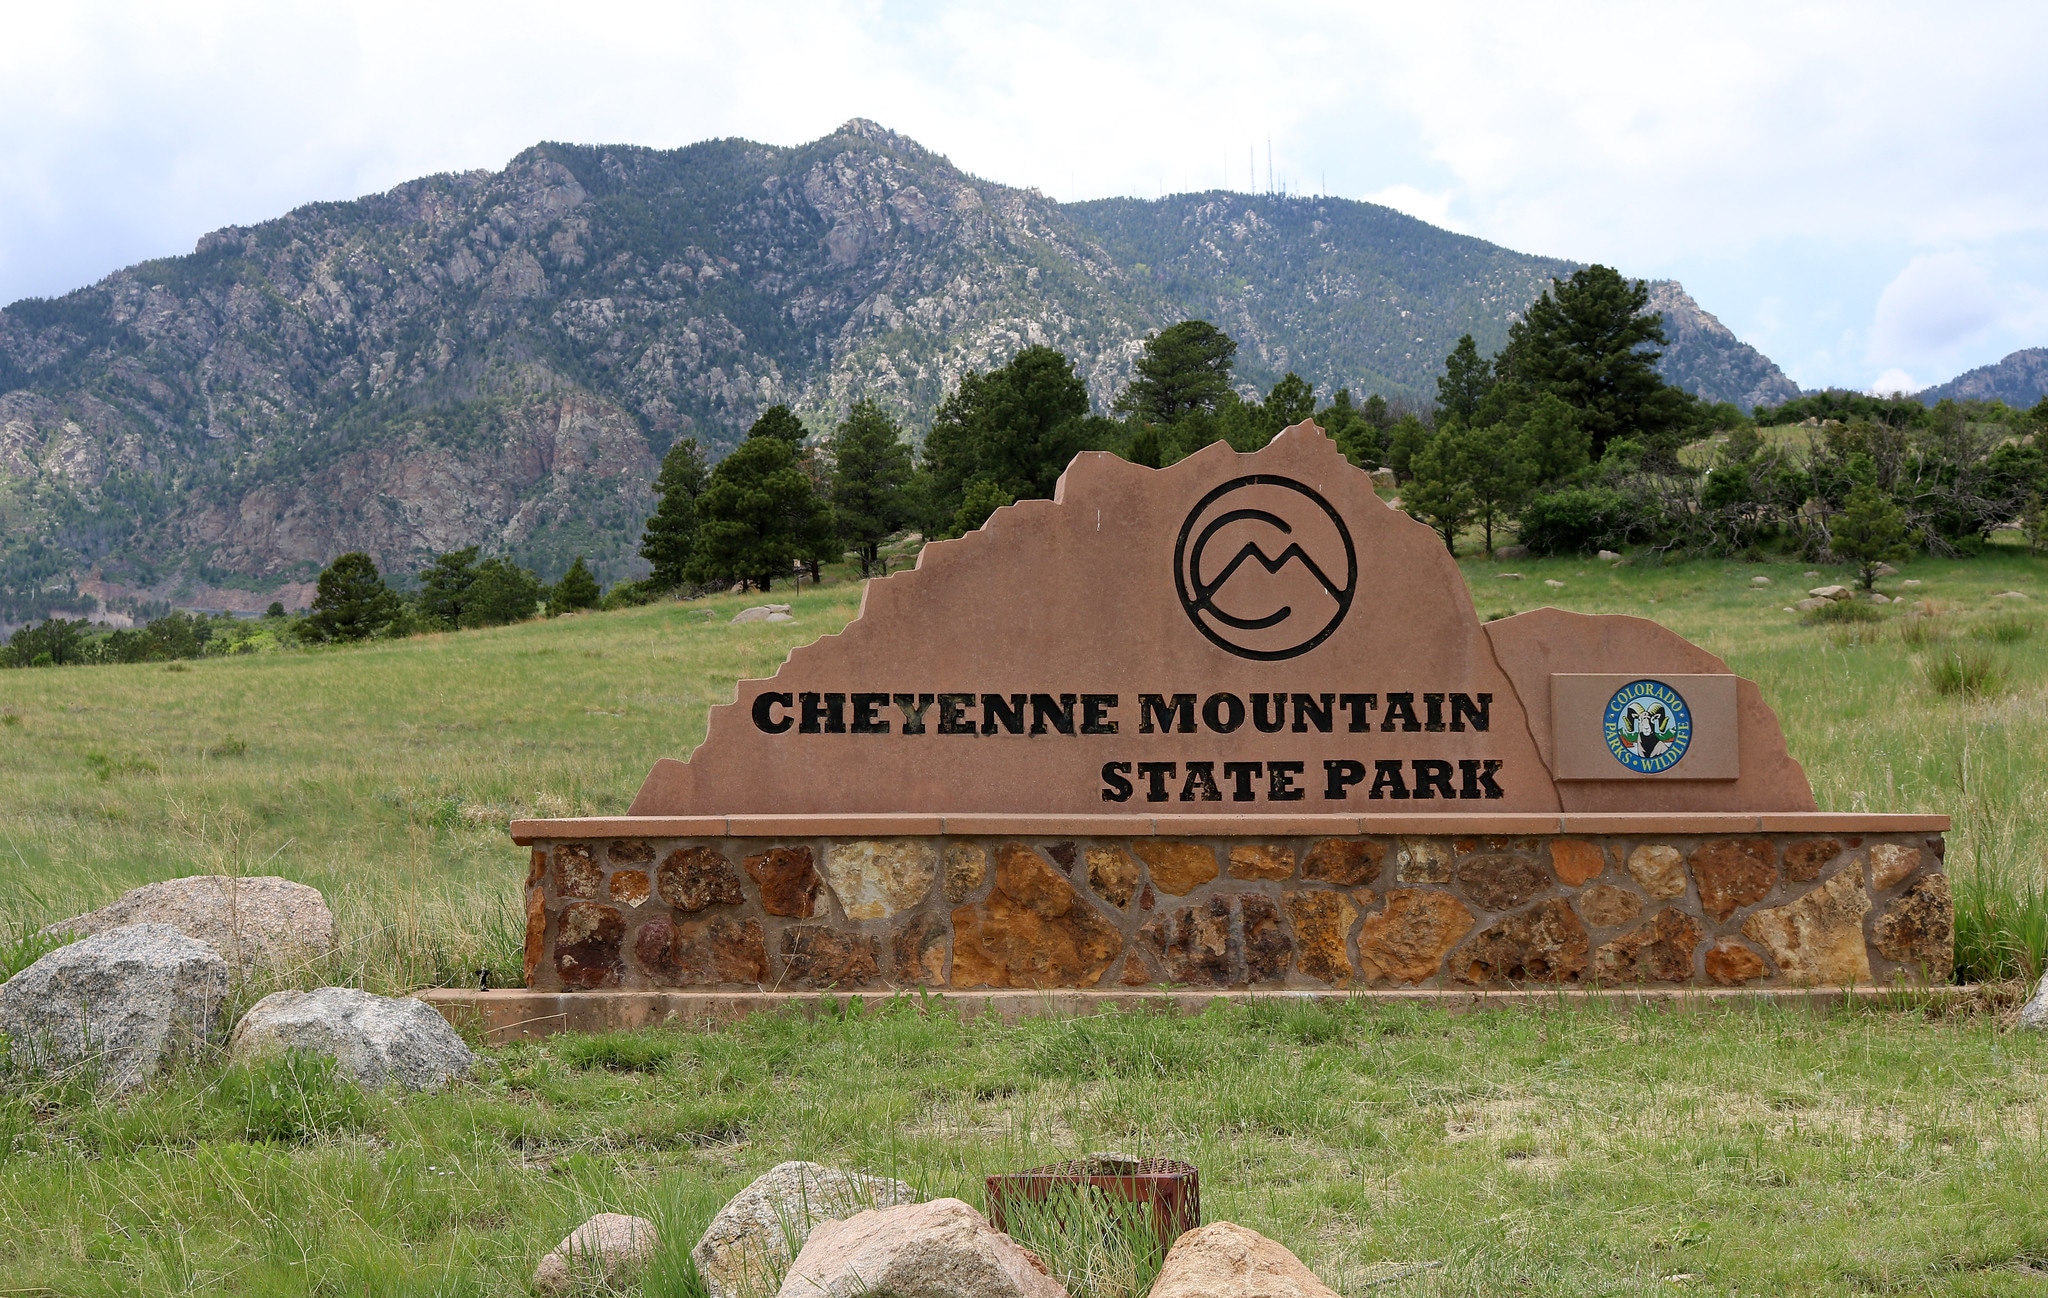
x=1648, y=726
x=1265, y=567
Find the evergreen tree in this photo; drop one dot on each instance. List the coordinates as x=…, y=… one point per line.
x=1870, y=532
x=1560, y=452
x=671, y=532
x=1408, y=437
x=758, y=516
x=445, y=584
x=1376, y=412
x=1291, y=401
x=502, y=593
x=351, y=602
x=1498, y=470
x=1466, y=380
x=780, y=422
x=577, y=589
x=1184, y=368
x=984, y=496
x=1588, y=340
x=1347, y=426
x=871, y=464
x=1438, y=494
x=1019, y=425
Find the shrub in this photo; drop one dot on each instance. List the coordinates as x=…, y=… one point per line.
x=1963, y=672
x=1576, y=520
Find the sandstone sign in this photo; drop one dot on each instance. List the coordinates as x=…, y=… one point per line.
x=1238, y=632
x=1232, y=723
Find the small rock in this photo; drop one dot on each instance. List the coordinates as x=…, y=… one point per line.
x=1886, y=570
x=2010, y=594
x=1790, y=609
x=1509, y=576
x=373, y=1040
x=778, y=617
x=1830, y=592
x=1759, y=581
x=1609, y=555
x=1226, y=1260
x=608, y=1249
x=747, y=1245
x=1811, y=573
x=1810, y=604
x=1553, y=583
x=917, y=1250
x=1910, y=581
x=763, y=613
x=1506, y=552
x=1382, y=480
x=125, y=1001
x=264, y=923
x=1877, y=598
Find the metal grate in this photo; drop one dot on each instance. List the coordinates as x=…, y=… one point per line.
x=1169, y=1187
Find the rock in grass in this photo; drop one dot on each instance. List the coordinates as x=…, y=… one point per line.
x=2034, y=1014
x=1225, y=1260
x=942, y=1248
x=749, y=1243
x=1759, y=581
x=263, y=923
x=607, y=1249
x=374, y=1040
x=119, y=1005
x=764, y=613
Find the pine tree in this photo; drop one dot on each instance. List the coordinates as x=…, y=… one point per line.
x=1184, y=368
x=502, y=593
x=577, y=589
x=1438, y=493
x=1588, y=340
x=1870, y=532
x=1498, y=470
x=444, y=585
x=671, y=533
x=351, y=602
x=1466, y=380
x=1019, y=425
x=758, y=516
x=871, y=464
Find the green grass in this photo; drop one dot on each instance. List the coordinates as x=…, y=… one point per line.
x=1573, y=1152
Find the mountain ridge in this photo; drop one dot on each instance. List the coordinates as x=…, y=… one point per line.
x=499, y=358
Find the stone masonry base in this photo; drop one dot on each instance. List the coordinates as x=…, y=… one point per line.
x=1358, y=911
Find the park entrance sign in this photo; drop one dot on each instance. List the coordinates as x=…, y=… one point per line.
x=1230, y=724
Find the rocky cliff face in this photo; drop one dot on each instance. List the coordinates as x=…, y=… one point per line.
x=2021, y=379
x=500, y=358
x=1707, y=359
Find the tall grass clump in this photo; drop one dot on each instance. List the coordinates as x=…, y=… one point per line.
x=1095, y=1244
x=1846, y=610
x=1963, y=672
x=2003, y=629
x=1921, y=631
x=2001, y=923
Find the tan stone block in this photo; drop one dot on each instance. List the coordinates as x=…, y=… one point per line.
x=1919, y=928
x=1499, y=881
x=1114, y=874
x=1545, y=943
x=818, y=955
x=876, y=879
x=1805, y=861
x=631, y=886
x=1034, y=930
x=1733, y=873
x=1731, y=964
x=1818, y=939
x=536, y=931
x=1346, y=862
x=1660, y=951
x=1660, y=870
x=1575, y=860
x=1890, y=864
x=1364, y=898
x=1322, y=934
x=1261, y=861
x=1603, y=905
x=787, y=881
x=587, y=945
x=576, y=872
x=1422, y=860
x=1178, y=868
x=1407, y=942
x=966, y=870
x=1137, y=973
x=695, y=877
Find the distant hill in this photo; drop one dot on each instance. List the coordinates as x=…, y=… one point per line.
x=2021, y=379
x=1708, y=360
x=499, y=358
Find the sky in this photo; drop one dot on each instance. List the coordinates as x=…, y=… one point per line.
x=1859, y=190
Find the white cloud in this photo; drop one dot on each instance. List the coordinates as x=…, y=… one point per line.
x=1786, y=160
x=1937, y=303
x=1893, y=380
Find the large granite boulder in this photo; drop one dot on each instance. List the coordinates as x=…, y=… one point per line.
x=747, y=1247
x=1226, y=1260
x=373, y=1040
x=2034, y=1014
x=262, y=924
x=121, y=1004
x=941, y=1249
x=602, y=1253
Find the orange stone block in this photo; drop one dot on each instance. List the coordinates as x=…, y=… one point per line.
x=1575, y=860
x=1178, y=868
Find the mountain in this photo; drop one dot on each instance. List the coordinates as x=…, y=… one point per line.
x=499, y=358
x=2021, y=379
x=1707, y=359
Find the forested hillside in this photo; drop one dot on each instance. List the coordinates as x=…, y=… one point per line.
x=500, y=358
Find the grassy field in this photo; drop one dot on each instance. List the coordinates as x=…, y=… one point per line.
x=1556, y=1152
